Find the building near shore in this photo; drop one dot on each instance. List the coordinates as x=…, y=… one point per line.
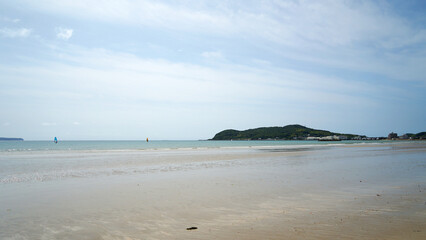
x=392, y=135
x=405, y=137
x=329, y=138
x=343, y=137
x=312, y=138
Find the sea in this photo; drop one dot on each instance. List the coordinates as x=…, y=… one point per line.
x=28, y=146
x=40, y=161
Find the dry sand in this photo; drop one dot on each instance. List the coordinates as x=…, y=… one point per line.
x=335, y=192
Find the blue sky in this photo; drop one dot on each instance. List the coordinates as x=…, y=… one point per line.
x=189, y=69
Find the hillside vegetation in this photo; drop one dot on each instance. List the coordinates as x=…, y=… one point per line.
x=420, y=135
x=289, y=132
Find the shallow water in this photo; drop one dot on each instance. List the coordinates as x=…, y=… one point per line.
x=13, y=146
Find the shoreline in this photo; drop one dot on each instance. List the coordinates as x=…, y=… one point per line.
x=146, y=147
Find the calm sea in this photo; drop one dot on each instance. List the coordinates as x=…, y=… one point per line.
x=14, y=146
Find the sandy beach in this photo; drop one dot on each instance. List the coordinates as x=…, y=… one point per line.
x=356, y=191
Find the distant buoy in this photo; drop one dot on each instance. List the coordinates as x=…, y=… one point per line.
x=147, y=140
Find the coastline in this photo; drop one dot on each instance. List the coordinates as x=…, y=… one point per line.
x=126, y=145
x=345, y=191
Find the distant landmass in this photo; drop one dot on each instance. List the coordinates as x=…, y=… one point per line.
x=289, y=132
x=420, y=135
x=11, y=139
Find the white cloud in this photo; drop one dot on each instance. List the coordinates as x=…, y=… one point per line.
x=293, y=23
x=353, y=35
x=261, y=62
x=216, y=54
x=105, y=76
x=64, y=33
x=13, y=20
x=48, y=124
x=15, y=32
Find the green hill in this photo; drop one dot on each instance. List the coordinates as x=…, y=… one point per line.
x=289, y=132
x=420, y=135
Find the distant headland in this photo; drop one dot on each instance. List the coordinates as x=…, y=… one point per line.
x=299, y=132
x=11, y=139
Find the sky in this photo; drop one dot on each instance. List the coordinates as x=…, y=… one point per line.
x=185, y=70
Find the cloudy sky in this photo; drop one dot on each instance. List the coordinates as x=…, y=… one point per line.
x=82, y=69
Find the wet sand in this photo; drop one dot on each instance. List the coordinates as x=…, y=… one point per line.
x=365, y=191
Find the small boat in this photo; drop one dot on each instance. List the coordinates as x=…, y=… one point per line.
x=55, y=140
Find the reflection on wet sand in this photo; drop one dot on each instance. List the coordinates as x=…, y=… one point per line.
x=335, y=192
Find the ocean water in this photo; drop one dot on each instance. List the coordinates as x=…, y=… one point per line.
x=41, y=161
x=23, y=146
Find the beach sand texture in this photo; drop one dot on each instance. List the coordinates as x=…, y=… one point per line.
x=357, y=191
